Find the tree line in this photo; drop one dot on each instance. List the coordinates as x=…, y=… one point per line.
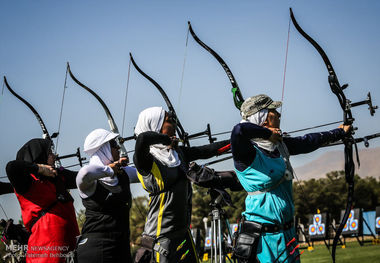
x=328, y=194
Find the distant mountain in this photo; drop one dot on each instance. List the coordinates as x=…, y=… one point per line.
x=334, y=160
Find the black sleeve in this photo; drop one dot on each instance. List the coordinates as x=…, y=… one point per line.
x=5, y=188
x=142, y=159
x=19, y=175
x=209, y=178
x=229, y=179
x=312, y=141
x=202, y=152
x=70, y=178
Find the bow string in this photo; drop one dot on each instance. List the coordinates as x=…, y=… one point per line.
x=236, y=93
x=45, y=133
x=183, y=135
x=348, y=119
x=111, y=121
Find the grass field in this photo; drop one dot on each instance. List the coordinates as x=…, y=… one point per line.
x=353, y=253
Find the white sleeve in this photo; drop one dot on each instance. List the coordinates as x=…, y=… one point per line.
x=87, y=177
x=132, y=174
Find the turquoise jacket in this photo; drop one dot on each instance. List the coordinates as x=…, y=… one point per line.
x=274, y=206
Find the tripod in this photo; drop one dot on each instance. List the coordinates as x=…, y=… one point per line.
x=218, y=243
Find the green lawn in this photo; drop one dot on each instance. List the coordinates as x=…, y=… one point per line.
x=353, y=253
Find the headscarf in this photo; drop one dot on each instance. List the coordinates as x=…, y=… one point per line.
x=35, y=151
x=259, y=118
x=98, y=147
x=152, y=119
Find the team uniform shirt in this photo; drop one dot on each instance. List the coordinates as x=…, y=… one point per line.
x=262, y=173
x=105, y=233
x=53, y=235
x=170, y=192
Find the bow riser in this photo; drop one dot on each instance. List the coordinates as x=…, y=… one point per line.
x=348, y=119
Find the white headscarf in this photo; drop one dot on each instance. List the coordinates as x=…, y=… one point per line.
x=259, y=118
x=97, y=146
x=152, y=119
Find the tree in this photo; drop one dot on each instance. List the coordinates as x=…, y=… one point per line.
x=138, y=213
x=81, y=217
x=330, y=195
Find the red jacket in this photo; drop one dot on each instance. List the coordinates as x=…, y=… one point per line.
x=53, y=235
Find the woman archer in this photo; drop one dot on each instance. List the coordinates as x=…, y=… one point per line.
x=46, y=206
x=261, y=159
x=162, y=167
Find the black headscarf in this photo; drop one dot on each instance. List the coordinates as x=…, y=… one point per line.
x=35, y=151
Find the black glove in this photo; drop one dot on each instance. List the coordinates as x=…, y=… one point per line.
x=203, y=176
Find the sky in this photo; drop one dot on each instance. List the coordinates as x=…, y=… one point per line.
x=40, y=37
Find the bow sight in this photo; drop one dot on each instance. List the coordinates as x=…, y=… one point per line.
x=348, y=119
x=368, y=101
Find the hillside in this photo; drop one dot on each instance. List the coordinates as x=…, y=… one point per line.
x=334, y=160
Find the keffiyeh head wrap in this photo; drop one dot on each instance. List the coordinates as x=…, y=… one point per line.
x=152, y=119
x=97, y=146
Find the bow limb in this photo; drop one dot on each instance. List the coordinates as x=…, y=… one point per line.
x=45, y=133
x=180, y=130
x=349, y=166
x=237, y=96
x=336, y=88
x=111, y=121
